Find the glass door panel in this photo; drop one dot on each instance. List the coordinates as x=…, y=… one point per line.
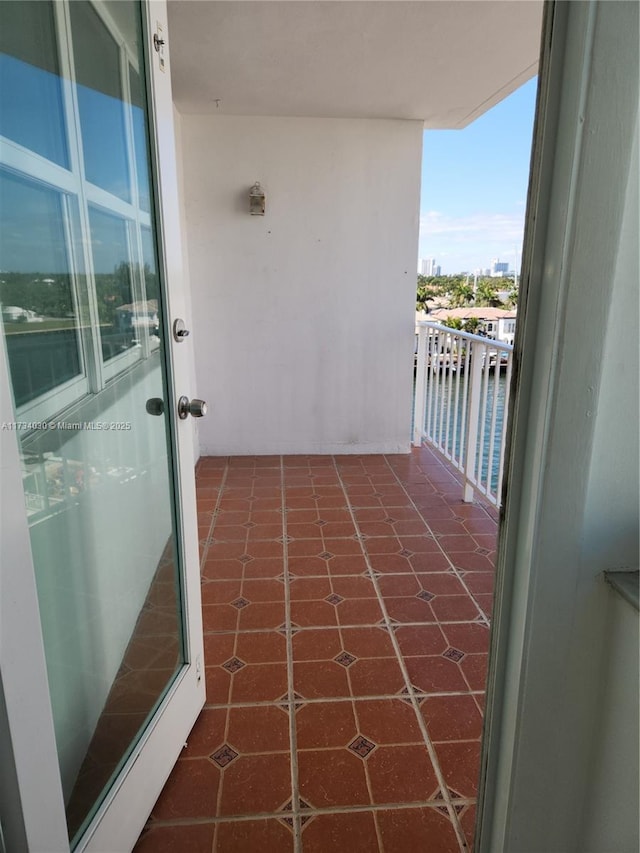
x=82, y=311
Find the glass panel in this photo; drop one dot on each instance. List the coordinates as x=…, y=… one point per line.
x=36, y=295
x=100, y=101
x=99, y=479
x=30, y=86
x=113, y=270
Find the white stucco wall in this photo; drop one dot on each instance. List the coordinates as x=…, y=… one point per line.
x=303, y=318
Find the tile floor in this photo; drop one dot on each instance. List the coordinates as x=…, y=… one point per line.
x=346, y=607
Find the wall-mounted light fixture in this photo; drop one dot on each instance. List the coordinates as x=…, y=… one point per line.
x=256, y=200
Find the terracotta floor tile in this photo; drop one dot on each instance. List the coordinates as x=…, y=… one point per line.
x=367, y=642
x=429, y=562
x=261, y=729
x=308, y=565
x=474, y=668
x=393, y=586
x=190, y=792
x=454, y=608
x=207, y=733
x=435, y=674
x=382, y=545
x=259, y=683
x=441, y=583
x=394, y=563
x=261, y=615
x=218, y=683
x=353, y=586
x=472, y=562
x=332, y=777
x=264, y=531
x=401, y=774
x=337, y=833
x=263, y=590
x=190, y=838
x=229, y=533
x=325, y=724
x=262, y=647
x=244, y=836
x=264, y=567
x=264, y=549
x=421, y=640
x=388, y=721
x=221, y=592
x=460, y=765
x=320, y=680
x=405, y=830
x=410, y=609
x=452, y=718
x=485, y=601
x=376, y=677
x=218, y=648
x=359, y=611
x=221, y=569
x=468, y=637
x=468, y=823
x=345, y=564
x=312, y=613
x=244, y=791
x=314, y=644
x=420, y=544
x=249, y=523
x=304, y=531
x=310, y=588
x=225, y=550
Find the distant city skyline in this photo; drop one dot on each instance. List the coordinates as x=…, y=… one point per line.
x=474, y=187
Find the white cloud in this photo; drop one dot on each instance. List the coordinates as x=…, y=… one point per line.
x=470, y=241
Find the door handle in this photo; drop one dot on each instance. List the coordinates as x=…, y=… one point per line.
x=196, y=408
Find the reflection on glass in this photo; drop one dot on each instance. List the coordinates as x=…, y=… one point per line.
x=113, y=273
x=140, y=139
x=30, y=86
x=100, y=100
x=36, y=297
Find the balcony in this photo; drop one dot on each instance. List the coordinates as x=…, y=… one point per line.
x=346, y=604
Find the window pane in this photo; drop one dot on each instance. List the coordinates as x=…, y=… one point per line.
x=100, y=101
x=113, y=275
x=36, y=294
x=30, y=86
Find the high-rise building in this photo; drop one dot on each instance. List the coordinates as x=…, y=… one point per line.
x=429, y=267
x=499, y=268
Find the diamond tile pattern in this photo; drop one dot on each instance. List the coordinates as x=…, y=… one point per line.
x=346, y=602
x=361, y=746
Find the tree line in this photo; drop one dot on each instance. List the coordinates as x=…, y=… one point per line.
x=458, y=291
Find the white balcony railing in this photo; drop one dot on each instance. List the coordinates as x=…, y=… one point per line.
x=461, y=403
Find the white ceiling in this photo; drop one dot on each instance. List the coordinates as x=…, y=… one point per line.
x=444, y=62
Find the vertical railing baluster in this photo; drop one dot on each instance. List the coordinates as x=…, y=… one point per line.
x=420, y=389
x=477, y=352
x=483, y=418
x=492, y=429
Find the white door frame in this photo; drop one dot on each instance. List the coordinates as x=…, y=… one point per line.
x=549, y=629
x=28, y=748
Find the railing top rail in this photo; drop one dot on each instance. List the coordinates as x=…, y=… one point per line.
x=481, y=339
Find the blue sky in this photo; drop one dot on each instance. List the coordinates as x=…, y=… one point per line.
x=474, y=186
